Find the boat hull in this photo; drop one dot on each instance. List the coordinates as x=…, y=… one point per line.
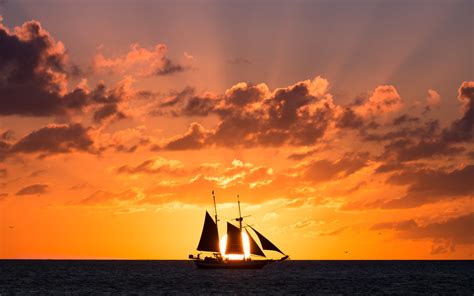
x=231, y=264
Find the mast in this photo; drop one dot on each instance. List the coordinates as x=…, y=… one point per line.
x=240, y=219
x=215, y=211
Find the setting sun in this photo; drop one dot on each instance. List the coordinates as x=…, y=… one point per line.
x=246, y=244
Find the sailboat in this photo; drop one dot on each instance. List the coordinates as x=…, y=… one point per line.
x=234, y=249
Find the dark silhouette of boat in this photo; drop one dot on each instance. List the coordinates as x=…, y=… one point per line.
x=234, y=256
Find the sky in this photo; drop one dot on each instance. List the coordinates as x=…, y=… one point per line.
x=346, y=127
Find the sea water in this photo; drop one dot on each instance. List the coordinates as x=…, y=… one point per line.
x=289, y=277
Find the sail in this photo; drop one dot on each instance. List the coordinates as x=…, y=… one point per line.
x=234, y=240
x=209, y=238
x=266, y=244
x=254, y=248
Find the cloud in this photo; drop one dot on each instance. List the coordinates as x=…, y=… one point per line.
x=241, y=178
x=462, y=130
x=405, y=119
x=350, y=119
x=324, y=170
x=157, y=165
x=428, y=186
x=303, y=154
x=35, y=189
x=336, y=231
x=177, y=97
x=251, y=115
x=252, y=182
x=242, y=94
x=34, y=78
x=37, y=173
x=384, y=99
x=140, y=61
x=54, y=139
x=413, y=140
x=4, y=148
x=457, y=230
x=6, y=135
x=433, y=99
x=32, y=71
x=199, y=105
x=103, y=197
x=194, y=138
x=3, y=173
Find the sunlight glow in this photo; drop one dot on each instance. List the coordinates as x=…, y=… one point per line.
x=246, y=244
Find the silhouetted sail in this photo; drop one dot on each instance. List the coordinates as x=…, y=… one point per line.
x=254, y=248
x=234, y=240
x=209, y=238
x=266, y=244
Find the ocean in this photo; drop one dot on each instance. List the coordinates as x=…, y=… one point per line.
x=281, y=278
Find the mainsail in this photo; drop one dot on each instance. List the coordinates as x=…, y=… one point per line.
x=266, y=244
x=254, y=248
x=234, y=240
x=209, y=241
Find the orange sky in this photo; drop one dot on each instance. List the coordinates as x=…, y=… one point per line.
x=346, y=137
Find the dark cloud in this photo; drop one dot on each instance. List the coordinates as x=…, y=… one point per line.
x=427, y=131
x=406, y=149
x=462, y=130
x=302, y=155
x=198, y=106
x=350, y=120
x=243, y=94
x=169, y=67
x=108, y=111
x=318, y=171
x=177, y=97
x=4, y=148
x=6, y=135
x=239, y=128
x=37, y=173
x=405, y=119
x=251, y=115
x=185, y=103
x=32, y=71
x=390, y=167
x=35, y=189
x=428, y=186
x=470, y=154
x=194, y=138
x=414, y=140
x=3, y=173
x=34, y=77
x=54, y=139
x=458, y=229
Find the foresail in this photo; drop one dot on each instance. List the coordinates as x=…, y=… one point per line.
x=209, y=241
x=266, y=244
x=254, y=248
x=234, y=240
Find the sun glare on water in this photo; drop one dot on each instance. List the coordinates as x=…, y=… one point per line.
x=246, y=243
